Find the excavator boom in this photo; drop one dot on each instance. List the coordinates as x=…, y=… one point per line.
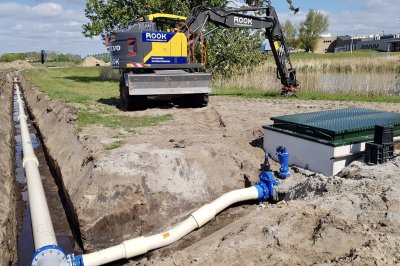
x=226, y=18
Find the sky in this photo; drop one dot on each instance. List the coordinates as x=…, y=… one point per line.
x=56, y=25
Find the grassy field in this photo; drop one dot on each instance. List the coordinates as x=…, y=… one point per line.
x=95, y=97
x=304, y=95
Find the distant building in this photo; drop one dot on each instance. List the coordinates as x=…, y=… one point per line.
x=325, y=45
x=384, y=43
x=394, y=44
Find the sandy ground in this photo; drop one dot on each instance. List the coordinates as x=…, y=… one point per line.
x=8, y=221
x=206, y=152
x=164, y=172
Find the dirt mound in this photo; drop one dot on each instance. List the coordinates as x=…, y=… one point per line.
x=333, y=221
x=18, y=64
x=91, y=61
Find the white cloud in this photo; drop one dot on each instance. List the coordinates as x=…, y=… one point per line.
x=74, y=23
x=46, y=25
x=47, y=10
x=373, y=17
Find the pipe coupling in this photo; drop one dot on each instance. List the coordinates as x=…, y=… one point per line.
x=29, y=159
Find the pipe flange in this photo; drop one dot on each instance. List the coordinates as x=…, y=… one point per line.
x=30, y=158
x=49, y=255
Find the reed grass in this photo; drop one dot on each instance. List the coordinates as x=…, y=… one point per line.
x=358, y=75
x=342, y=64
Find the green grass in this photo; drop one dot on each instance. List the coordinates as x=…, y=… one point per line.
x=53, y=64
x=115, y=145
x=108, y=118
x=257, y=93
x=74, y=85
x=96, y=98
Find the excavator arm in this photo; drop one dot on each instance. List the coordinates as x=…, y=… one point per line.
x=247, y=18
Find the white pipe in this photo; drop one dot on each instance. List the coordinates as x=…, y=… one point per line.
x=141, y=245
x=42, y=227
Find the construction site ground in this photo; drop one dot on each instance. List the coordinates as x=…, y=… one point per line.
x=156, y=176
x=353, y=218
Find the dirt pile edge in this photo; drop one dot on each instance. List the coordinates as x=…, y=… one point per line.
x=8, y=224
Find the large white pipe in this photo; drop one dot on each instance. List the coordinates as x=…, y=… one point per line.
x=142, y=245
x=42, y=227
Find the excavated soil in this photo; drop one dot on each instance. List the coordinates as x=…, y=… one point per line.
x=164, y=172
x=8, y=221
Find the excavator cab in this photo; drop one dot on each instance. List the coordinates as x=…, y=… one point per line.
x=166, y=22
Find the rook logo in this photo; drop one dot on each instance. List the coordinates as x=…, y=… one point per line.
x=239, y=21
x=157, y=36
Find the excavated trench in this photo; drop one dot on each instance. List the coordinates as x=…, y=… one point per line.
x=55, y=196
x=309, y=206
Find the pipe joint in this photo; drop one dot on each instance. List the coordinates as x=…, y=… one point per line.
x=49, y=255
x=30, y=159
x=135, y=247
x=22, y=116
x=203, y=215
x=265, y=186
x=74, y=260
x=54, y=255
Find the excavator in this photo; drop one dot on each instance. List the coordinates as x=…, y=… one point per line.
x=164, y=55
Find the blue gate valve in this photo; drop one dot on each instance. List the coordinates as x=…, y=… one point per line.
x=283, y=157
x=265, y=186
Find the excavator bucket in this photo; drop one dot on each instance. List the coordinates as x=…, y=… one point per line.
x=168, y=82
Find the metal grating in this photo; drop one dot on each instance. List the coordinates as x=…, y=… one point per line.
x=336, y=127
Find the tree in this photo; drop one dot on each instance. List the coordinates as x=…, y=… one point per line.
x=117, y=14
x=291, y=34
x=228, y=57
x=311, y=29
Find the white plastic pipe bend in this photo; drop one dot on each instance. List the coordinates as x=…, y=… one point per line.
x=141, y=245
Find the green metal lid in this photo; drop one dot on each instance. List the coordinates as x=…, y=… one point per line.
x=336, y=127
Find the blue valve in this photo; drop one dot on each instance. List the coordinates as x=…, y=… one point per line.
x=265, y=186
x=283, y=157
x=53, y=255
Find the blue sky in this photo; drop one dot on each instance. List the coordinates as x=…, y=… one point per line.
x=32, y=25
x=320, y=5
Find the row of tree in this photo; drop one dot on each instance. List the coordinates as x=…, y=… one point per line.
x=36, y=57
x=306, y=34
